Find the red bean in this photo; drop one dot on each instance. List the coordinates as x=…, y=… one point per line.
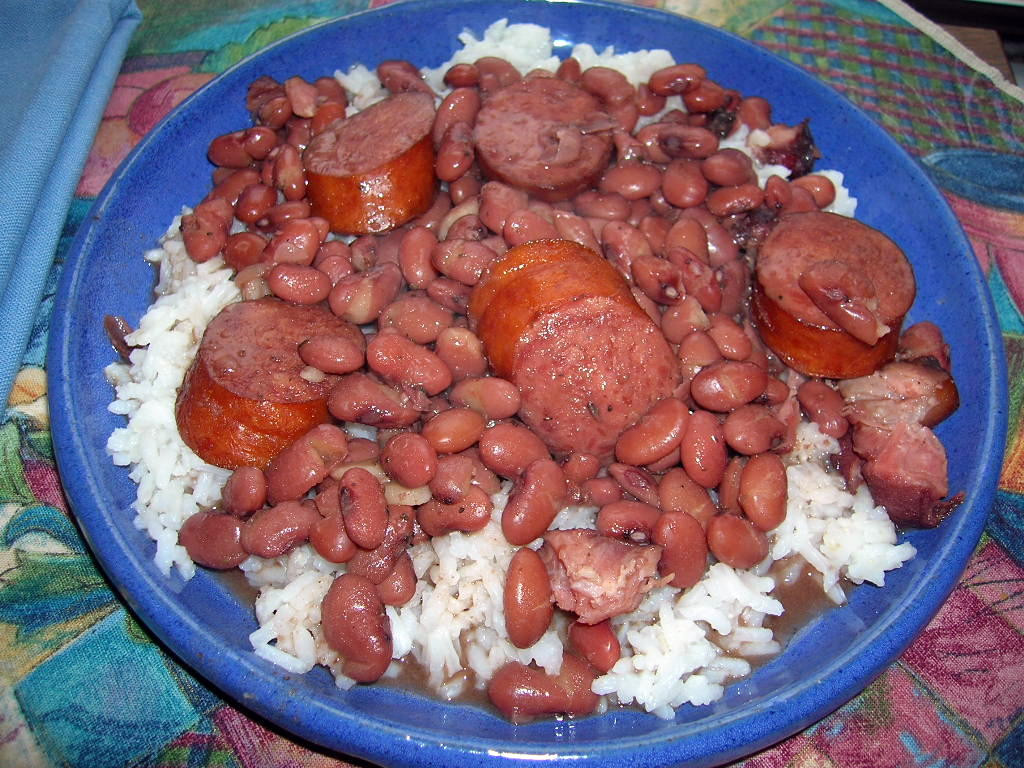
x=623, y=244
x=726, y=201
x=376, y=564
x=363, y=508
x=462, y=75
x=416, y=317
x=703, y=449
x=330, y=539
x=400, y=76
x=400, y=585
x=656, y=434
x=213, y=540
x=361, y=297
x=595, y=643
x=683, y=184
x=824, y=406
x=495, y=398
x=409, y=459
x=592, y=204
x=205, y=230
x=450, y=293
x=684, y=549
x=728, y=168
x=299, y=284
x=660, y=280
x=228, y=151
x=459, y=106
x=601, y=490
x=736, y=542
x=274, y=531
x=495, y=73
x=706, y=97
x=462, y=260
x=304, y=463
x=525, y=225
x=631, y=180
x=683, y=318
x=244, y=249
x=535, y=500
x=752, y=429
x=402, y=362
x=636, y=481
x=521, y=692
x=414, y=256
x=254, y=203
x=677, y=78
x=667, y=140
x=631, y=521
x=455, y=154
x=579, y=467
x=245, y=491
x=730, y=337
x=507, y=449
x=678, y=492
x=471, y=512
x=333, y=353
x=528, y=600
x=356, y=626
x=297, y=242
x=727, y=385
x=454, y=430
x=608, y=84
x=821, y=188
x=763, y=491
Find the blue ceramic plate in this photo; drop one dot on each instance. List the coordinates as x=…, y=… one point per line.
x=204, y=623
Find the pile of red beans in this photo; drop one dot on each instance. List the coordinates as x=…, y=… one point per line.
x=700, y=472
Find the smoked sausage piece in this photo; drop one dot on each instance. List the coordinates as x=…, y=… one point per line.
x=374, y=171
x=243, y=400
x=560, y=322
x=814, y=260
x=543, y=135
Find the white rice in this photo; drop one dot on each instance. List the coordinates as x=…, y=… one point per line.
x=679, y=647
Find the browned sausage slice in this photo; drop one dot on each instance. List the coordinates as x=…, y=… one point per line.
x=544, y=135
x=560, y=322
x=244, y=398
x=794, y=326
x=374, y=171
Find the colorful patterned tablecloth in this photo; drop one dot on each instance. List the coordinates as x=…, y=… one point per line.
x=83, y=684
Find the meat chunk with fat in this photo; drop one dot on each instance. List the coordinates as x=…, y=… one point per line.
x=597, y=577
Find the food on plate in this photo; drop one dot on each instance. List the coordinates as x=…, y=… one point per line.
x=560, y=323
x=374, y=171
x=830, y=295
x=244, y=399
x=544, y=443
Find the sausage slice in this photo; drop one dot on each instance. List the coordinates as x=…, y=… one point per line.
x=792, y=322
x=244, y=398
x=560, y=322
x=374, y=171
x=544, y=135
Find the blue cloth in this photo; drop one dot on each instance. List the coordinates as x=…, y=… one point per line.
x=60, y=60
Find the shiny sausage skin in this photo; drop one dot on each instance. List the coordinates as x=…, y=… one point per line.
x=545, y=136
x=374, y=171
x=243, y=399
x=559, y=322
x=788, y=319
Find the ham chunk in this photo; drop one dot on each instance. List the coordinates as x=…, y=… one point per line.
x=597, y=577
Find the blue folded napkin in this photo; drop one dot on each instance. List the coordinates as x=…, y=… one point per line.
x=60, y=59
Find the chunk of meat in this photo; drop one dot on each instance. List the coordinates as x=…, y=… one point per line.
x=908, y=475
x=597, y=577
x=900, y=392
